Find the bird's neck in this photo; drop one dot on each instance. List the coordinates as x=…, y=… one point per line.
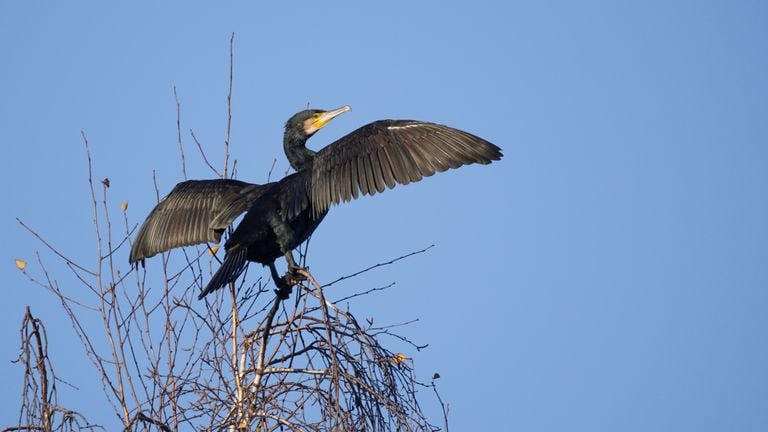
x=296, y=151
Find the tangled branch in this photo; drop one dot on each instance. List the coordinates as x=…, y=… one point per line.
x=241, y=360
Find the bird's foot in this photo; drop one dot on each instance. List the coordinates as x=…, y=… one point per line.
x=284, y=288
x=295, y=275
x=285, y=284
x=283, y=291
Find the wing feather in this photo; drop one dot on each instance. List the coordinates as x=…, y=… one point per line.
x=362, y=179
x=354, y=178
x=382, y=154
x=378, y=177
x=196, y=211
x=386, y=168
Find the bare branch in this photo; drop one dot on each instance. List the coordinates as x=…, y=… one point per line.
x=392, y=261
x=178, y=135
x=229, y=102
x=53, y=249
x=202, y=153
x=169, y=362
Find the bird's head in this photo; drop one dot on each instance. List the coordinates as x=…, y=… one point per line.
x=309, y=121
x=302, y=126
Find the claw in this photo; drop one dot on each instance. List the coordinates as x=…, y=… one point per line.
x=285, y=284
x=284, y=288
x=295, y=275
x=283, y=293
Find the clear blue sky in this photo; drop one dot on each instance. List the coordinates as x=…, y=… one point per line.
x=610, y=273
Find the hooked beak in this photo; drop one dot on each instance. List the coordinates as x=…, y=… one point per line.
x=322, y=119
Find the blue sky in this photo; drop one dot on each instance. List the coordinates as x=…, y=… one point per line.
x=610, y=273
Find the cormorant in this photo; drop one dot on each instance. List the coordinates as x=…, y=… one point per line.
x=282, y=215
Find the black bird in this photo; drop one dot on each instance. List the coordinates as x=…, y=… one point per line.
x=282, y=215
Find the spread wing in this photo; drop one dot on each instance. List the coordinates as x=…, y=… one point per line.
x=196, y=211
x=388, y=152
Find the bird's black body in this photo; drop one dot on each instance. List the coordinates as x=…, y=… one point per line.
x=266, y=232
x=264, y=235
x=282, y=215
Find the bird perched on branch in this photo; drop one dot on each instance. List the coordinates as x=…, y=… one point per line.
x=282, y=215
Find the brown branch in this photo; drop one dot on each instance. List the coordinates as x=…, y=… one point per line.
x=141, y=417
x=229, y=102
x=281, y=421
x=178, y=134
x=53, y=249
x=262, y=364
x=272, y=167
x=380, y=265
x=106, y=311
x=41, y=368
x=443, y=406
x=202, y=153
x=329, y=340
x=21, y=428
x=263, y=343
x=236, y=370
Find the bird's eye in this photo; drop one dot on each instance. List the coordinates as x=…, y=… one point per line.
x=316, y=116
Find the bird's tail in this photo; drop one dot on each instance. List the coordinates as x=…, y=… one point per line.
x=234, y=263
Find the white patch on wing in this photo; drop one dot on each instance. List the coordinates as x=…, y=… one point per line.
x=408, y=126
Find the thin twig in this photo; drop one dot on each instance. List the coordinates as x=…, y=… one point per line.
x=229, y=102
x=178, y=135
x=42, y=370
x=380, y=265
x=443, y=406
x=236, y=372
x=141, y=417
x=53, y=249
x=272, y=167
x=202, y=153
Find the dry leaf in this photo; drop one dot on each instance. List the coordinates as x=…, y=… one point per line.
x=124, y=206
x=213, y=249
x=21, y=264
x=399, y=358
x=105, y=182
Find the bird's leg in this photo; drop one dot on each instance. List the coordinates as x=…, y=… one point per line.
x=285, y=238
x=293, y=276
x=284, y=289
